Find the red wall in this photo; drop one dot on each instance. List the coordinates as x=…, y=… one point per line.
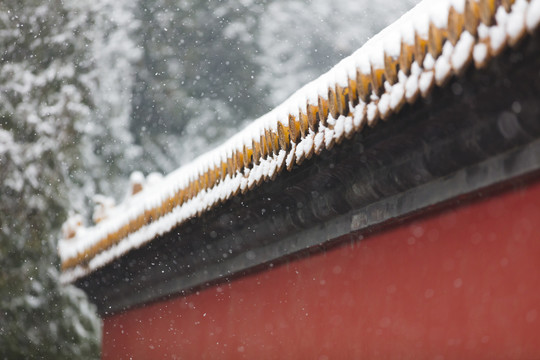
x=464, y=283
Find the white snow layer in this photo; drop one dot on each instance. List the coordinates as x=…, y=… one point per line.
x=371, y=56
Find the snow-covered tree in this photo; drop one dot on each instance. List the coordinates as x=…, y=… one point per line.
x=107, y=145
x=196, y=80
x=64, y=110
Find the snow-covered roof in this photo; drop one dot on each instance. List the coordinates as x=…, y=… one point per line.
x=424, y=48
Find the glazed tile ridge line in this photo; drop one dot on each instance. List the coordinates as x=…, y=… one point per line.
x=155, y=213
x=369, y=93
x=167, y=209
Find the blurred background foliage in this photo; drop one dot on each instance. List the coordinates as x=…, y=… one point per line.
x=92, y=90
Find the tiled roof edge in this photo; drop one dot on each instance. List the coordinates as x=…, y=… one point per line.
x=424, y=48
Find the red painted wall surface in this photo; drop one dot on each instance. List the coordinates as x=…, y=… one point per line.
x=459, y=284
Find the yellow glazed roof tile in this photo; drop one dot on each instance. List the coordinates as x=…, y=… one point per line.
x=428, y=45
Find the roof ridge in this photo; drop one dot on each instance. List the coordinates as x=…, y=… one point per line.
x=424, y=48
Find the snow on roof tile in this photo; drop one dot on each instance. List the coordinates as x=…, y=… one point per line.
x=427, y=45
